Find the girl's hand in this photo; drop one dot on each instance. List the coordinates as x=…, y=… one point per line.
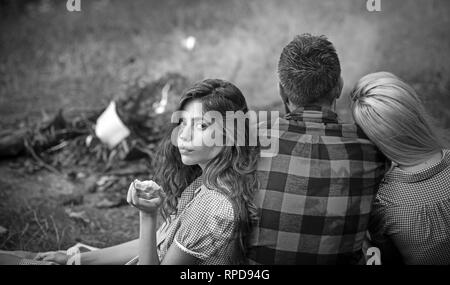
x=53, y=256
x=147, y=196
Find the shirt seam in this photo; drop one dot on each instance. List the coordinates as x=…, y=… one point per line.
x=188, y=251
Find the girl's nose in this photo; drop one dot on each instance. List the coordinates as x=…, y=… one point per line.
x=185, y=133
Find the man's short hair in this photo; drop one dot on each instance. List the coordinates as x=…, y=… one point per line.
x=309, y=70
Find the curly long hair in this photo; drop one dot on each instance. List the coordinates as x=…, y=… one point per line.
x=232, y=172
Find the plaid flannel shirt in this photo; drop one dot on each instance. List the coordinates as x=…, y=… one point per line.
x=316, y=193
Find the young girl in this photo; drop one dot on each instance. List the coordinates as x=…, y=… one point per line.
x=208, y=189
x=412, y=207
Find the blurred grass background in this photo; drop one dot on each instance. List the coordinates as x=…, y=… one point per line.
x=51, y=58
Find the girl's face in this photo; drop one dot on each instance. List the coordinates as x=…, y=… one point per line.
x=195, y=128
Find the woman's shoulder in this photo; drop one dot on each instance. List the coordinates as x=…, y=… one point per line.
x=213, y=201
x=415, y=190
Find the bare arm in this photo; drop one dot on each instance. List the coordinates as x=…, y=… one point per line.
x=148, y=254
x=147, y=240
x=147, y=246
x=118, y=254
x=114, y=255
x=175, y=256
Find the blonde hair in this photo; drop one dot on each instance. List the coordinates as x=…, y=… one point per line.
x=393, y=117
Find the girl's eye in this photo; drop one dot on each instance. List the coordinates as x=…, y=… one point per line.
x=201, y=125
x=183, y=122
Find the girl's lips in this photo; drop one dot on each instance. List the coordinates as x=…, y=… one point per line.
x=185, y=150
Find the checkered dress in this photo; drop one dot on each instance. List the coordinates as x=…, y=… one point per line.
x=203, y=226
x=413, y=211
x=316, y=193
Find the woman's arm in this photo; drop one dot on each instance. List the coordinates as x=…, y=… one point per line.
x=148, y=254
x=175, y=256
x=114, y=255
x=118, y=254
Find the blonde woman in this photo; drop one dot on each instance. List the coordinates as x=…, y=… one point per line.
x=412, y=207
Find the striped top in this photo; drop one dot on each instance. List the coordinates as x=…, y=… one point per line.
x=412, y=210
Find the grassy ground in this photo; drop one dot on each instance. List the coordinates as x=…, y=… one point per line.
x=51, y=59
x=31, y=208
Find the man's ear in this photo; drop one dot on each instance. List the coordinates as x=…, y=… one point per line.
x=283, y=96
x=340, y=86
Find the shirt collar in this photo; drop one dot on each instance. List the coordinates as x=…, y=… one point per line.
x=317, y=114
x=396, y=174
